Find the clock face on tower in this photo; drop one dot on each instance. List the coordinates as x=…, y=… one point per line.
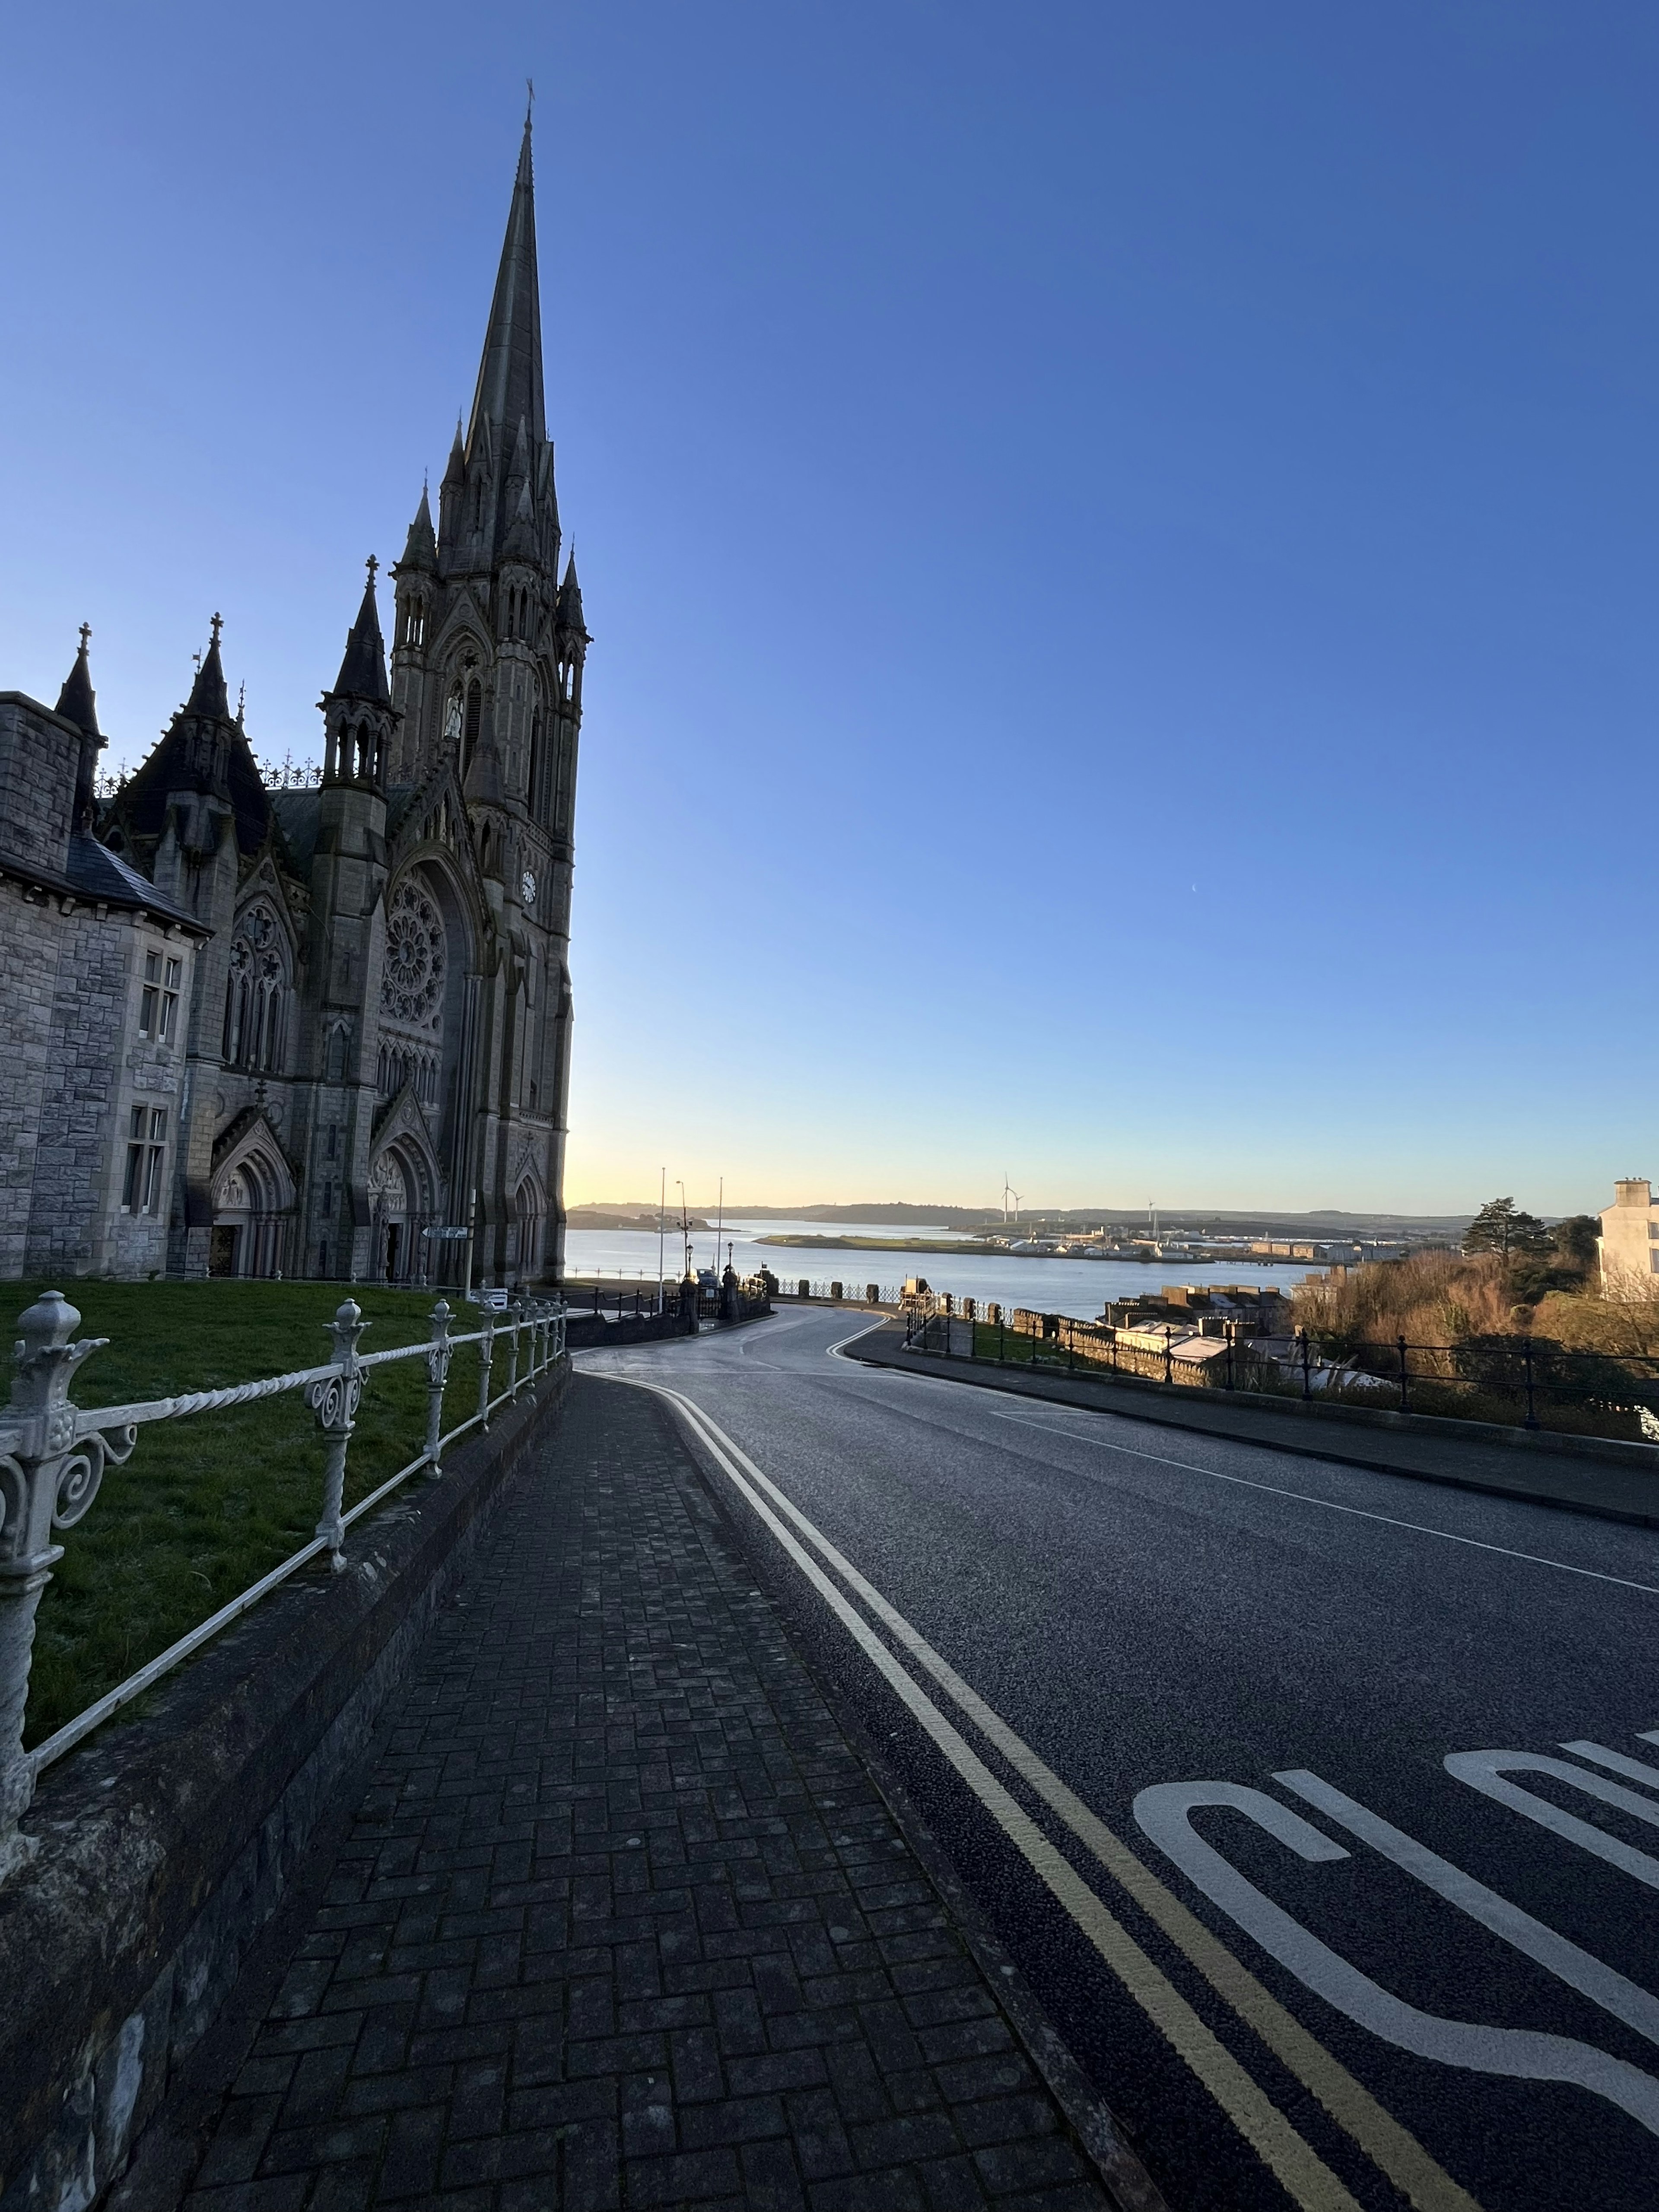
x=527, y=887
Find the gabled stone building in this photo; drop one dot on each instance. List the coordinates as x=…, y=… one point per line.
x=378, y=1032
x=97, y=969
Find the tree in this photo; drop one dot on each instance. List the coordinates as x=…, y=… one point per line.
x=1575, y=1240
x=1501, y=1227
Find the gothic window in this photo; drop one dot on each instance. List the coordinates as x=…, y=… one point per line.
x=412, y=981
x=144, y=1189
x=339, y=1043
x=256, y=993
x=158, y=1006
x=474, y=714
x=538, y=771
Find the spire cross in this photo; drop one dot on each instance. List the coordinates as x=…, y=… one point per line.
x=530, y=105
x=371, y=565
x=218, y=624
x=86, y=632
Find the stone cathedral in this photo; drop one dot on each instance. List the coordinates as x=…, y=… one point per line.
x=334, y=1032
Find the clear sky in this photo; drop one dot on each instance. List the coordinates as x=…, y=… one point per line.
x=1121, y=543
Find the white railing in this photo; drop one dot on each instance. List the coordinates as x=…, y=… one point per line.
x=53, y=1454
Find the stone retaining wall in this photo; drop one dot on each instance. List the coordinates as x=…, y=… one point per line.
x=164, y=1846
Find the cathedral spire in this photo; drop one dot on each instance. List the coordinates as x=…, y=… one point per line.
x=510, y=373
x=363, y=673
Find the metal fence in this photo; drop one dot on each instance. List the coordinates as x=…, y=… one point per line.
x=1516, y=1381
x=53, y=1454
x=839, y=1291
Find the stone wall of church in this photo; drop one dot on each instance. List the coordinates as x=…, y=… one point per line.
x=73, y=1069
x=74, y=1221
x=39, y=754
x=29, y=928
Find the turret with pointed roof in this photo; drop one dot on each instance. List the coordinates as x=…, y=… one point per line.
x=358, y=716
x=570, y=603
x=421, y=546
x=362, y=671
x=77, y=702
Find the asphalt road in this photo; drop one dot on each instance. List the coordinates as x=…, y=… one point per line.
x=1093, y=1652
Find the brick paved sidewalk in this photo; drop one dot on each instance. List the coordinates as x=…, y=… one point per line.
x=621, y=1920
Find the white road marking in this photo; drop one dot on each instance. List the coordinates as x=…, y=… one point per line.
x=1358, y=1512
x=1484, y=1770
x=1391, y=2147
x=837, y=1351
x=1517, y=2054
x=1625, y=2000
x=1638, y=1770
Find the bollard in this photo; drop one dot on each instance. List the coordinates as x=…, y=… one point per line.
x=48, y=1479
x=335, y=1399
x=437, y=1374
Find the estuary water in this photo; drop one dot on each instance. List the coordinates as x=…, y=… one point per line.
x=1077, y=1287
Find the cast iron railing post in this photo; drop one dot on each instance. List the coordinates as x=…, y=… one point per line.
x=1307, y=1364
x=1526, y=1354
x=1168, y=1356
x=1405, y=1378
x=48, y=1480
x=438, y=1355
x=514, y=1317
x=1230, y=1362
x=486, y=1353
x=335, y=1399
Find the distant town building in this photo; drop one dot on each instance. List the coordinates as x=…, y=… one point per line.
x=1630, y=1237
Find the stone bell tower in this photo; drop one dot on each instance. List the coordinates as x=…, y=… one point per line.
x=486, y=678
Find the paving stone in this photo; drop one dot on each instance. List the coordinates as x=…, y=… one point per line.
x=621, y=1919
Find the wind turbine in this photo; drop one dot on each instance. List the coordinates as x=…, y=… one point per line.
x=1008, y=1192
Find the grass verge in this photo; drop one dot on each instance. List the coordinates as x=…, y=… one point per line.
x=207, y=1504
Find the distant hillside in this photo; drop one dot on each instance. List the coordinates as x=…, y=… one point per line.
x=1323, y=1220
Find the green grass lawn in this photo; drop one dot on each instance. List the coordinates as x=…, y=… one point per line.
x=207, y=1504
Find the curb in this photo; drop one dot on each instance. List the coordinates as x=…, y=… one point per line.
x=1334, y=1443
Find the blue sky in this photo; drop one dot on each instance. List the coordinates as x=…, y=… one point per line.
x=1121, y=542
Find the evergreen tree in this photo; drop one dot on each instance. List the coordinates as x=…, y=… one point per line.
x=1501, y=1227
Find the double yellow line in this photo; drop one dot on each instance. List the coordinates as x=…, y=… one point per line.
x=1306, y=2178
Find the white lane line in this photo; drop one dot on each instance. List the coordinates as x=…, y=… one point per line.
x=1305, y=2177
x=837, y=1351
x=1305, y=1498
x=1390, y=2147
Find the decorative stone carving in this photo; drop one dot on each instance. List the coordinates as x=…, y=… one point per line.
x=388, y=1192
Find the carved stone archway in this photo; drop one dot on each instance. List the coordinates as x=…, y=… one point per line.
x=252, y=1206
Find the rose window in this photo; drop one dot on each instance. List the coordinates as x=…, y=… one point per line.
x=412, y=985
